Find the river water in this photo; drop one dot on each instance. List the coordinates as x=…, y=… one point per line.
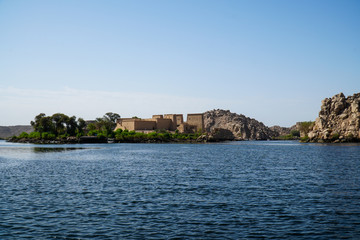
x=235, y=190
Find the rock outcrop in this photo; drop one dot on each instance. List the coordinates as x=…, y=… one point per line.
x=338, y=121
x=242, y=127
x=220, y=134
x=216, y=135
x=280, y=131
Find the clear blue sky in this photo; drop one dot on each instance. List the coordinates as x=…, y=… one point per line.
x=270, y=60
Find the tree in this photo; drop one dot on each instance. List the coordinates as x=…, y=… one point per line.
x=111, y=117
x=58, y=124
x=71, y=126
x=46, y=124
x=91, y=127
x=60, y=121
x=36, y=124
x=107, y=122
x=42, y=123
x=81, y=125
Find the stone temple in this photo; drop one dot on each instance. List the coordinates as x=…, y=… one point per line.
x=168, y=122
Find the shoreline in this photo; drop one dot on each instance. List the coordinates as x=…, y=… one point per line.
x=95, y=140
x=200, y=139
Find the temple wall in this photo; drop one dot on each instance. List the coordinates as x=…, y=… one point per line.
x=164, y=124
x=129, y=125
x=169, y=122
x=173, y=118
x=196, y=120
x=179, y=119
x=145, y=125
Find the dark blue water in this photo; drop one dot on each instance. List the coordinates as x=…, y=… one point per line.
x=280, y=190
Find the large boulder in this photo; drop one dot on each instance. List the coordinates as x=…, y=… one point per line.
x=242, y=127
x=220, y=134
x=338, y=121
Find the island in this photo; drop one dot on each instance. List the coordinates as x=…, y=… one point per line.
x=338, y=121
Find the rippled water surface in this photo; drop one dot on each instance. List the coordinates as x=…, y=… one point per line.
x=233, y=190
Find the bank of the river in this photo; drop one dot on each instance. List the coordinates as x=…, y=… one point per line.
x=120, y=136
x=93, y=139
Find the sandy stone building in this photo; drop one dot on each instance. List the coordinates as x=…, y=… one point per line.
x=169, y=122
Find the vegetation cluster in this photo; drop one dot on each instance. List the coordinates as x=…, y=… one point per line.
x=60, y=128
x=155, y=136
x=300, y=133
x=293, y=135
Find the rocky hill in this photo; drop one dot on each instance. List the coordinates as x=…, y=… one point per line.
x=9, y=131
x=280, y=131
x=338, y=121
x=242, y=127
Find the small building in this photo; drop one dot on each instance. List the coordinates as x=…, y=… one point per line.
x=168, y=122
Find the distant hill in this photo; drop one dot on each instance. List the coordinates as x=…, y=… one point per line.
x=9, y=131
x=281, y=131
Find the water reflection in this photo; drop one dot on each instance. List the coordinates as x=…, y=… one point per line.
x=55, y=149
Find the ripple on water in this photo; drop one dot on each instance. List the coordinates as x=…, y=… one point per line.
x=170, y=191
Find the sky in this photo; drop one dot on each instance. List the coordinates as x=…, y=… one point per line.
x=272, y=60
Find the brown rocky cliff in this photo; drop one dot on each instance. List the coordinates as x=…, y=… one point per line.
x=242, y=127
x=339, y=120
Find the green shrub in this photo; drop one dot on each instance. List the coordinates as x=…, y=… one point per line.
x=305, y=139
x=161, y=131
x=101, y=134
x=118, y=131
x=295, y=133
x=63, y=136
x=24, y=135
x=48, y=136
x=119, y=137
x=167, y=135
x=138, y=136
x=93, y=133
x=118, y=134
x=35, y=135
x=125, y=135
x=152, y=135
x=306, y=127
x=79, y=133
x=108, y=133
x=182, y=136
